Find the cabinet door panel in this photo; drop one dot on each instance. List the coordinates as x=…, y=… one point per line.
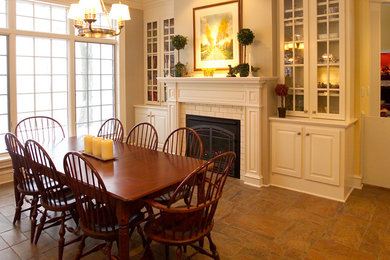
x=322, y=155
x=159, y=121
x=141, y=115
x=287, y=149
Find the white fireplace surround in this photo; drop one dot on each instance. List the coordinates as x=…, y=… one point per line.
x=218, y=97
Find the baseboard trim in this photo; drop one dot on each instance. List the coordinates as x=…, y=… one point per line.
x=357, y=182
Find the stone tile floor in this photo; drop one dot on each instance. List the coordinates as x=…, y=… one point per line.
x=251, y=223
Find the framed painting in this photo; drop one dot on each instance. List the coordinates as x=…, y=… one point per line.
x=215, y=35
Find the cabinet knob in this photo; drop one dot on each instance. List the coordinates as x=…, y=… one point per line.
x=305, y=111
x=314, y=112
x=299, y=133
x=307, y=134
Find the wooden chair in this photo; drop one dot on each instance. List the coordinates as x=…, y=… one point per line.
x=55, y=195
x=184, y=141
x=143, y=135
x=112, y=129
x=39, y=128
x=24, y=181
x=182, y=224
x=95, y=206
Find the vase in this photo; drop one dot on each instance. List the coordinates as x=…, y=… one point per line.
x=282, y=112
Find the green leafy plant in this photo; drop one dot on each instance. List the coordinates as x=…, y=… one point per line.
x=243, y=69
x=245, y=37
x=179, y=42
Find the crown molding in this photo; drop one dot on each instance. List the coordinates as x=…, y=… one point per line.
x=148, y=4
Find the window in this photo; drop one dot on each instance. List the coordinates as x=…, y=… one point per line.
x=4, y=121
x=151, y=53
x=41, y=17
x=42, y=78
x=3, y=13
x=95, y=88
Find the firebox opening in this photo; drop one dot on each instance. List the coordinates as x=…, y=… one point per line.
x=218, y=135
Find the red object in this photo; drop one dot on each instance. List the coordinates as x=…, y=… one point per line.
x=385, y=60
x=282, y=91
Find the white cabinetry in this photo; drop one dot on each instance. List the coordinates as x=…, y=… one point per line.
x=157, y=116
x=313, y=157
x=287, y=149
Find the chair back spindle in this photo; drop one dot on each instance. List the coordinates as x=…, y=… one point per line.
x=204, y=188
x=52, y=188
x=94, y=204
x=184, y=141
x=39, y=128
x=112, y=129
x=23, y=175
x=143, y=135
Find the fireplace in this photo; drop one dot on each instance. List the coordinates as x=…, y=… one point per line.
x=218, y=135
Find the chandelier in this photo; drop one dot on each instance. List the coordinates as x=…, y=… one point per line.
x=84, y=15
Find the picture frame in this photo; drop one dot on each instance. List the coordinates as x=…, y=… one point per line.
x=215, y=29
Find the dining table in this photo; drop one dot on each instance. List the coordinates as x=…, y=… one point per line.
x=133, y=175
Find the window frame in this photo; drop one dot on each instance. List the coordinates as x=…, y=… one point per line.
x=11, y=32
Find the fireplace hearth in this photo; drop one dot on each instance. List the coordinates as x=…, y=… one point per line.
x=218, y=135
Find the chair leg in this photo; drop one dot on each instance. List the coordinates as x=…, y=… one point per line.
x=148, y=254
x=16, y=191
x=81, y=248
x=108, y=248
x=34, y=214
x=61, y=241
x=40, y=226
x=141, y=233
x=213, y=248
x=179, y=253
x=166, y=252
x=75, y=216
x=18, y=209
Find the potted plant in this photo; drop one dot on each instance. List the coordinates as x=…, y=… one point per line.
x=245, y=37
x=179, y=42
x=282, y=91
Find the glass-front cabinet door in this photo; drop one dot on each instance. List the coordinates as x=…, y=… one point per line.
x=312, y=34
x=327, y=84
x=294, y=38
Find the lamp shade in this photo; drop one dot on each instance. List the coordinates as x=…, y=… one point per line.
x=75, y=12
x=120, y=12
x=91, y=5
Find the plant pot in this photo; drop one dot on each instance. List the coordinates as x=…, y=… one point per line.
x=180, y=70
x=282, y=112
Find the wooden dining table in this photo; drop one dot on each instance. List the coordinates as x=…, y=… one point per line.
x=135, y=174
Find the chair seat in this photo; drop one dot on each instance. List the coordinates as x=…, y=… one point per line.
x=158, y=231
x=62, y=201
x=110, y=229
x=31, y=190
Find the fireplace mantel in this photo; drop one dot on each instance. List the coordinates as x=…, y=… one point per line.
x=254, y=94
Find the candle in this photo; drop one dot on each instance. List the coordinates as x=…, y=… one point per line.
x=250, y=63
x=97, y=146
x=107, y=149
x=88, y=143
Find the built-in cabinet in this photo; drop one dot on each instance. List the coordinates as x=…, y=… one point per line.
x=157, y=116
x=308, y=152
x=313, y=47
x=312, y=149
x=313, y=157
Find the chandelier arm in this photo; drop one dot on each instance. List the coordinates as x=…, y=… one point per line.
x=105, y=11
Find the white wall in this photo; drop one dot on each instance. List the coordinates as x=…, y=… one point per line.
x=257, y=15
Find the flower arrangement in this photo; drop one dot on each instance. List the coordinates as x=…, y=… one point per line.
x=282, y=91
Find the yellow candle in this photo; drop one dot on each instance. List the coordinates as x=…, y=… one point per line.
x=107, y=149
x=97, y=146
x=88, y=143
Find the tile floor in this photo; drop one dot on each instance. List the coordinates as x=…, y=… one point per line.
x=251, y=223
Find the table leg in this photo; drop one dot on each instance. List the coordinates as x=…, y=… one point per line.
x=123, y=215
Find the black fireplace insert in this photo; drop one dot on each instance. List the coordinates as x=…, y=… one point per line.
x=218, y=135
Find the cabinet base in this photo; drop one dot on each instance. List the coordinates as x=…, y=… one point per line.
x=318, y=189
